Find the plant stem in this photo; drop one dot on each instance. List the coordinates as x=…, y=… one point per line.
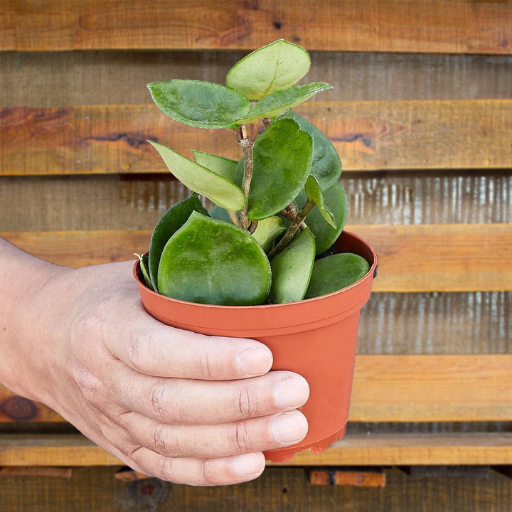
x=253, y=226
x=246, y=142
x=294, y=226
x=234, y=219
x=267, y=121
x=289, y=212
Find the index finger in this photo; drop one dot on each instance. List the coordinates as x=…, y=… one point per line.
x=148, y=346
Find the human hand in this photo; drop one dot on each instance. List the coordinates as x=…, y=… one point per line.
x=174, y=404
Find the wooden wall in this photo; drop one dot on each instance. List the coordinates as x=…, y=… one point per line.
x=421, y=115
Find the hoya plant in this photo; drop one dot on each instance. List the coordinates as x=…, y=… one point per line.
x=278, y=210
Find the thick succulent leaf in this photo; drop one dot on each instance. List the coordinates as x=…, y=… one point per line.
x=335, y=199
x=281, y=164
x=144, y=269
x=274, y=67
x=218, y=164
x=267, y=231
x=335, y=272
x=278, y=102
x=211, y=262
x=291, y=269
x=200, y=104
x=326, y=166
x=220, y=214
x=314, y=193
x=169, y=223
x=201, y=180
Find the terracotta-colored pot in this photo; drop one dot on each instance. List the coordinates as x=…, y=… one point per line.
x=315, y=338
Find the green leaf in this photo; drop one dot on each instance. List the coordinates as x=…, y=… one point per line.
x=314, y=193
x=281, y=164
x=169, y=223
x=200, y=104
x=274, y=67
x=278, y=102
x=220, y=214
x=218, y=164
x=267, y=231
x=211, y=262
x=326, y=165
x=335, y=199
x=291, y=269
x=202, y=180
x=335, y=272
x=144, y=269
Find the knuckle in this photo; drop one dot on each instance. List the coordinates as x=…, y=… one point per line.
x=165, y=469
x=246, y=403
x=158, y=400
x=207, y=368
x=89, y=385
x=240, y=438
x=207, y=473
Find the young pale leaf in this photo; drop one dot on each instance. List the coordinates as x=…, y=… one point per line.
x=219, y=213
x=144, y=269
x=274, y=67
x=200, y=104
x=326, y=166
x=335, y=272
x=281, y=163
x=291, y=269
x=335, y=199
x=314, y=193
x=218, y=164
x=201, y=180
x=267, y=231
x=278, y=102
x=169, y=223
x=211, y=262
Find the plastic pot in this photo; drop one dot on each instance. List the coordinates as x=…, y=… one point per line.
x=315, y=338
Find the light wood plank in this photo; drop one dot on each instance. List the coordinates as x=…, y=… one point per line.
x=353, y=450
x=414, y=258
x=450, y=26
x=380, y=135
x=66, y=79
x=394, y=388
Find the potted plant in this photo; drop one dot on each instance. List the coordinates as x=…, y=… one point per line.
x=270, y=260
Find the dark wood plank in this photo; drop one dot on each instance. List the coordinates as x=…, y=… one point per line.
x=412, y=26
x=397, y=388
x=279, y=490
x=460, y=258
x=54, y=203
x=367, y=135
x=353, y=450
x=66, y=79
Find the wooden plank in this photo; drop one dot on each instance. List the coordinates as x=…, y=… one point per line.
x=353, y=450
x=382, y=135
x=62, y=203
x=347, y=478
x=278, y=489
x=399, y=388
x=398, y=26
x=66, y=79
x=37, y=471
x=460, y=257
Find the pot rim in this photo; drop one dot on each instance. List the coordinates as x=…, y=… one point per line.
x=369, y=275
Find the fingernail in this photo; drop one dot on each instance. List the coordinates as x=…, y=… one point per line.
x=247, y=464
x=290, y=427
x=291, y=392
x=254, y=361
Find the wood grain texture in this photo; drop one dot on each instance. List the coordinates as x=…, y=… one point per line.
x=401, y=388
x=367, y=135
x=62, y=203
x=277, y=490
x=431, y=26
x=353, y=450
x=67, y=79
x=459, y=258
